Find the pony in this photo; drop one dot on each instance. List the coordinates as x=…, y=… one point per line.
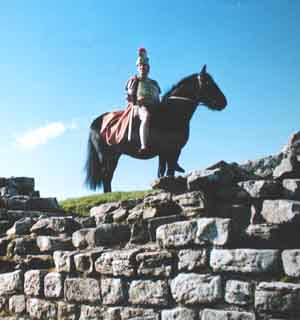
x=169, y=130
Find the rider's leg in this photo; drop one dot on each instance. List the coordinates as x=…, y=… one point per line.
x=144, y=127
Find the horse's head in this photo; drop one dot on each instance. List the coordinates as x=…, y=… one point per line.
x=208, y=92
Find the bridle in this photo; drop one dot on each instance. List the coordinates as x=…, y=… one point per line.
x=191, y=100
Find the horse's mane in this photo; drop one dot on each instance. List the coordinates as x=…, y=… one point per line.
x=169, y=92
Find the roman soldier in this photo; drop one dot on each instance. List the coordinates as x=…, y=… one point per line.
x=144, y=92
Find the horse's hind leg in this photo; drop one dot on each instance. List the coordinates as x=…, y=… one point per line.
x=110, y=167
x=172, y=163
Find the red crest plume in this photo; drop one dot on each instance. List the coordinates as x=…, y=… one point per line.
x=142, y=50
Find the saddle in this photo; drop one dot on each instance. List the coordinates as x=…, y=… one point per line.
x=116, y=124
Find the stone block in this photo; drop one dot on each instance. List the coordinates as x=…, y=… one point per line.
x=22, y=246
x=92, y=313
x=34, y=283
x=29, y=262
x=213, y=231
x=111, y=234
x=113, y=291
x=84, y=238
x=64, y=260
x=41, y=309
x=21, y=227
x=280, y=211
x=238, y=292
x=178, y=313
x=11, y=283
x=291, y=262
x=262, y=189
x=291, y=189
x=192, y=288
x=55, y=226
x=176, y=234
x=17, y=304
x=154, y=223
x=148, y=292
x=156, y=263
x=53, y=285
x=277, y=297
x=84, y=262
x=130, y=313
x=192, y=203
x=245, y=260
x=42, y=204
x=67, y=311
x=117, y=263
x=82, y=290
x=190, y=259
x=209, y=314
x=50, y=244
x=170, y=184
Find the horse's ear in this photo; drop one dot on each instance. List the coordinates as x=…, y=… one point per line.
x=203, y=69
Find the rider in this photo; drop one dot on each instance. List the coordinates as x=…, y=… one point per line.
x=144, y=92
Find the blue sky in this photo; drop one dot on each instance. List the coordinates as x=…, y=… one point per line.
x=65, y=62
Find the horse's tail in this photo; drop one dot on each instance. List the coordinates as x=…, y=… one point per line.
x=94, y=163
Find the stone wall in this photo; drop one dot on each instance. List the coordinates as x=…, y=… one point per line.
x=221, y=243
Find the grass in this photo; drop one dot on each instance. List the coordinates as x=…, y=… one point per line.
x=82, y=205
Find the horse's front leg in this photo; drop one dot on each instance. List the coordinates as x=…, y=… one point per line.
x=172, y=163
x=162, y=164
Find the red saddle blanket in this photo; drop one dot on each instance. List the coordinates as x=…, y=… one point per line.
x=115, y=124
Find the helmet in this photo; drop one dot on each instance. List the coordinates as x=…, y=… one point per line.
x=142, y=57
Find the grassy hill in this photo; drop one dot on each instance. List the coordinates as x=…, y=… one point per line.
x=82, y=205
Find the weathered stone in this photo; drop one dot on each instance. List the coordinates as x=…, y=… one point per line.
x=277, y=297
x=154, y=223
x=100, y=212
x=64, y=261
x=111, y=233
x=84, y=262
x=53, y=285
x=191, y=260
x=264, y=232
x=209, y=314
x=139, y=233
x=176, y=234
x=11, y=283
x=215, y=231
x=91, y=313
x=192, y=203
x=117, y=263
x=3, y=245
x=288, y=167
x=43, y=204
x=158, y=205
x=82, y=290
x=291, y=262
x=30, y=262
x=170, y=184
x=55, y=225
x=34, y=282
x=238, y=292
x=291, y=189
x=280, y=211
x=50, y=244
x=22, y=246
x=17, y=304
x=130, y=313
x=148, y=292
x=112, y=291
x=192, y=288
x=41, y=309
x=245, y=260
x=155, y=263
x=67, y=311
x=120, y=215
x=135, y=214
x=21, y=227
x=24, y=185
x=17, y=202
x=179, y=313
x=84, y=238
x=86, y=222
x=262, y=189
x=3, y=302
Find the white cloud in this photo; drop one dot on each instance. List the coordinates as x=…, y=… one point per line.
x=35, y=137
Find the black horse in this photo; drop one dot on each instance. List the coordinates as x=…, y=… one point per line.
x=169, y=130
